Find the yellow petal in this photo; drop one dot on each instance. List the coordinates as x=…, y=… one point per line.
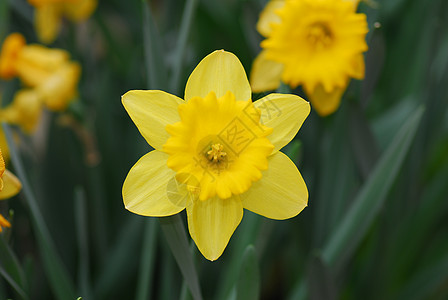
x=358, y=67
x=25, y=110
x=148, y=187
x=324, y=102
x=219, y=72
x=268, y=17
x=2, y=167
x=61, y=87
x=281, y=193
x=4, y=223
x=355, y=3
x=4, y=145
x=11, y=185
x=80, y=10
x=11, y=48
x=151, y=111
x=47, y=20
x=37, y=63
x=212, y=222
x=265, y=74
x=285, y=114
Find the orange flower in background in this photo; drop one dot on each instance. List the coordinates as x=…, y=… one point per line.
x=24, y=111
x=49, y=14
x=3, y=223
x=314, y=43
x=49, y=75
x=11, y=48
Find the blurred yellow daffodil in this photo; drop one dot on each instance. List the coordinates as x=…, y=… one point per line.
x=4, y=145
x=49, y=13
x=9, y=186
x=314, y=43
x=25, y=110
x=50, y=74
x=216, y=152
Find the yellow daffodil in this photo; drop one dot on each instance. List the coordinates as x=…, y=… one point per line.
x=9, y=186
x=49, y=72
x=25, y=110
x=216, y=152
x=49, y=13
x=11, y=48
x=9, y=183
x=314, y=43
x=4, y=145
x=61, y=87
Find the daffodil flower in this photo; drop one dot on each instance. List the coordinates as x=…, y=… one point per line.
x=49, y=14
x=216, y=153
x=48, y=73
x=9, y=186
x=24, y=111
x=317, y=44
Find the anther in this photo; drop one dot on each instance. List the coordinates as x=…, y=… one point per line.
x=216, y=154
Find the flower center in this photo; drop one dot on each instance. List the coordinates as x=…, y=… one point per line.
x=319, y=35
x=219, y=147
x=215, y=154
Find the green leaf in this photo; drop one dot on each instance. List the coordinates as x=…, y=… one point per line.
x=247, y=234
x=427, y=283
x=144, y=286
x=347, y=236
x=83, y=242
x=155, y=67
x=248, y=285
x=354, y=225
x=176, y=236
x=124, y=247
x=4, y=18
x=185, y=26
x=60, y=282
x=10, y=264
x=321, y=283
x=11, y=270
x=13, y=283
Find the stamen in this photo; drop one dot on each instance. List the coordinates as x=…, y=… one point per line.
x=216, y=154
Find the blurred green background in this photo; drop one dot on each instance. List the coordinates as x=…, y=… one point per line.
x=377, y=170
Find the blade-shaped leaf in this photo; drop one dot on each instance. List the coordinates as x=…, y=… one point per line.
x=60, y=282
x=248, y=286
x=358, y=219
x=176, y=236
x=354, y=225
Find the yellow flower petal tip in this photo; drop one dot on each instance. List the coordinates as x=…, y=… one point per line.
x=49, y=13
x=11, y=48
x=25, y=110
x=314, y=42
x=48, y=74
x=3, y=223
x=325, y=103
x=216, y=153
x=10, y=185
